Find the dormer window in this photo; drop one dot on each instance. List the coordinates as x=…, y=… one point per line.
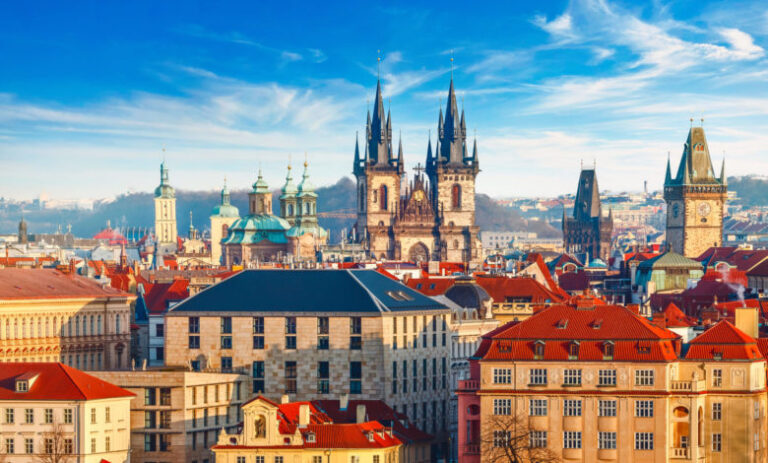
x=608, y=350
x=287, y=441
x=597, y=324
x=370, y=436
x=562, y=324
x=573, y=350
x=717, y=355
x=310, y=437
x=538, y=350
x=22, y=385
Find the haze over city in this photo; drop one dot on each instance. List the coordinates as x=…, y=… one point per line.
x=94, y=93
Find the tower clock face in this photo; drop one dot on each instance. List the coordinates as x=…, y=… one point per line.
x=704, y=208
x=418, y=195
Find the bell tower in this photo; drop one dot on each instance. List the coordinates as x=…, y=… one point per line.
x=695, y=199
x=378, y=173
x=165, y=210
x=452, y=171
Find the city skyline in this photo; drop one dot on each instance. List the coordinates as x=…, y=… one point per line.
x=229, y=89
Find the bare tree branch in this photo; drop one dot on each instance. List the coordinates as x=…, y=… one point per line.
x=55, y=448
x=507, y=439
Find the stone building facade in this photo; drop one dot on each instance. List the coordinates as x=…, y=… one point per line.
x=315, y=334
x=50, y=316
x=165, y=211
x=177, y=415
x=695, y=199
x=588, y=232
x=432, y=218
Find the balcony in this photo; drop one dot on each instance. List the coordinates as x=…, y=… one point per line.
x=681, y=453
x=687, y=386
x=469, y=384
x=472, y=449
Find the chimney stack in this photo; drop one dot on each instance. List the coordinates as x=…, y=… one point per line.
x=303, y=415
x=343, y=402
x=361, y=415
x=747, y=321
x=284, y=399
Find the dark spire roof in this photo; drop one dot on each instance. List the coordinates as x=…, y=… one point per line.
x=668, y=176
x=379, y=132
x=356, y=168
x=587, y=203
x=452, y=132
x=695, y=163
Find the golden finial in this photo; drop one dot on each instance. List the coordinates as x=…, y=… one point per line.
x=378, y=63
x=289, y=162
x=306, y=163
x=451, y=63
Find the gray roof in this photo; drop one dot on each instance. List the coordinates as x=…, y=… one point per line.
x=309, y=291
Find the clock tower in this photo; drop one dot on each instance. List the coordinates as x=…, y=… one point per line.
x=695, y=199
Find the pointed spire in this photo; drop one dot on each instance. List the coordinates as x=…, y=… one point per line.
x=356, y=165
x=400, y=149
x=474, y=151
x=668, y=177
x=723, y=178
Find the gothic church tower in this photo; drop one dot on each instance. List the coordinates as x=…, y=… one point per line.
x=695, y=199
x=165, y=210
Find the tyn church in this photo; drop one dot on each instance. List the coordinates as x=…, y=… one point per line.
x=432, y=217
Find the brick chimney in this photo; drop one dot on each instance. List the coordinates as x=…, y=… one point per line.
x=361, y=414
x=303, y=415
x=284, y=399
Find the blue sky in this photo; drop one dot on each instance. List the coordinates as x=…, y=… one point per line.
x=90, y=91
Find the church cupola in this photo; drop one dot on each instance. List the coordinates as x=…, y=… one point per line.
x=225, y=209
x=307, y=198
x=164, y=190
x=260, y=197
x=288, y=198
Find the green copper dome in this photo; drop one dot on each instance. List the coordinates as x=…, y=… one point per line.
x=225, y=209
x=257, y=228
x=289, y=189
x=261, y=185
x=164, y=190
x=305, y=187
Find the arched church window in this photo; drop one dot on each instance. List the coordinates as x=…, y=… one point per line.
x=290, y=210
x=456, y=196
x=224, y=230
x=384, y=197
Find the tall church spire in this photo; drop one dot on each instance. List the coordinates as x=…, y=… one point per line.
x=379, y=132
x=452, y=133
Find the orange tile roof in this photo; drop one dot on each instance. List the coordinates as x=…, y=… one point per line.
x=502, y=288
x=675, y=318
x=723, y=341
x=18, y=283
x=56, y=381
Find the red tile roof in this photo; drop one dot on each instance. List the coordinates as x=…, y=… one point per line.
x=675, y=318
x=111, y=235
x=634, y=338
x=742, y=259
x=158, y=295
x=18, y=283
x=431, y=286
x=376, y=410
x=55, y=381
x=502, y=289
x=723, y=341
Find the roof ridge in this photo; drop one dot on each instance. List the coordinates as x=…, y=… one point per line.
x=376, y=301
x=65, y=369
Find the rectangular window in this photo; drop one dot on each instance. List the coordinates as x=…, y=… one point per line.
x=502, y=376
x=355, y=377
x=29, y=446
x=643, y=408
x=67, y=416
x=278, y=459
x=240, y=459
x=258, y=376
x=606, y=408
x=290, y=342
x=606, y=378
x=10, y=446
x=226, y=325
x=194, y=342
x=606, y=440
x=226, y=364
x=537, y=407
x=160, y=330
x=572, y=407
x=323, y=343
x=502, y=406
x=290, y=377
x=323, y=377
x=9, y=415
x=538, y=377
x=258, y=325
x=165, y=396
x=290, y=325
x=29, y=415
x=150, y=442
x=572, y=377
x=194, y=325
x=149, y=396
x=717, y=377
x=323, y=329
x=226, y=342
x=107, y=415
x=717, y=411
x=150, y=419
x=538, y=439
x=643, y=441
x=717, y=442
x=258, y=342
x=757, y=410
x=501, y=439
x=69, y=446
x=49, y=415
x=259, y=459
x=572, y=440
x=644, y=377
x=107, y=444
x=49, y=445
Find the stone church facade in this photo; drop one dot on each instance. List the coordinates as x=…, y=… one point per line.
x=695, y=199
x=432, y=218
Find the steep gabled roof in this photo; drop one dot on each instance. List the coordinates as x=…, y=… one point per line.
x=55, y=381
x=19, y=283
x=675, y=318
x=723, y=341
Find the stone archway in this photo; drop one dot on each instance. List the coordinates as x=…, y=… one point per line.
x=419, y=252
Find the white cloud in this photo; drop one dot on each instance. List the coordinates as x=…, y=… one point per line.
x=742, y=44
x=560, y=27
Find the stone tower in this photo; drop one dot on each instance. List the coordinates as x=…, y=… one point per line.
x=451, y=170
x=165, y=210
x=695, y=199
x=222, y=217
x=378, y=173
x=588, y=231
x=23, y=235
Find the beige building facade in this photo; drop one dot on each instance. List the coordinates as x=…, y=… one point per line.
x=49, y=316
x=177, y=415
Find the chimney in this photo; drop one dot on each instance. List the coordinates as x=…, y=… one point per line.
x=343, y=402
x=361, y=415
x=747, y=320
x=303, y=415
x=284, y=399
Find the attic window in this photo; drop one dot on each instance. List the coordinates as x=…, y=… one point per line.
x=310, y=437
x=644, y=348
x=717, y=355
x=370, y=436
x=562, y=324
x=418, y=286
x=597, y=324
x=399, y=296
x=538, y=349
x=287, y=441
x=608, y=350
x=573, y=350
x=432, y=286
x=505, y=347
x=22, y=385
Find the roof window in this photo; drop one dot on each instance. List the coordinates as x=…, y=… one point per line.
x=22, y=385
x=310, y=437
x=597, y=324
x=562, y=324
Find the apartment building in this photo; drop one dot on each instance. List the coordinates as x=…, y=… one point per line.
x=595, y=382
x=178, y=415
x=50, y=316
x=52, y=412
x=314, y=334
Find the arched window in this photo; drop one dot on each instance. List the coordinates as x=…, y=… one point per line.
x=573, y=350
x=290, y=210
x=224, y=230
x=117, y=324
x=456, y=196
x=608, y=350
x=98, y=324
x=384, y=197
x=538, y=350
